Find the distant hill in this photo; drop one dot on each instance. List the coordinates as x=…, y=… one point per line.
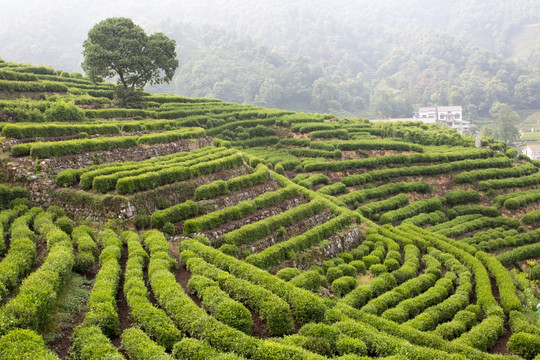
x=364, y=58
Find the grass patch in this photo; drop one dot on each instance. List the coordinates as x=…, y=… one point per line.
x=72, y=300
x=364, y=279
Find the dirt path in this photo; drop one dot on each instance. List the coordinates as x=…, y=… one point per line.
x=123, y=308
x=73, y=307
x=182, y=276
x=500, y=346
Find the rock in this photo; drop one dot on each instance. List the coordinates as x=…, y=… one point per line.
x=130, y=211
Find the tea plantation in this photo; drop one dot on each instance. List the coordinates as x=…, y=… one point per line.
x=193, y=228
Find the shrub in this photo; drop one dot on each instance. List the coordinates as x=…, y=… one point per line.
x=415, y=208
x=22, y=344
x=347, y=257
x=412, y=158
x=168, y=175
x=90, y=343
x=270, y=308
x=274, y=254
x=519, y=253
x=87, y=254
x=152, y=319
x=62, y=111
x=370, y=260
x=174, y=214
x=17, y=76
x=328, y=134
x=343, y=285
x=169, y=228
x=208, y=191
x=431, y=170
x=229, y=249
x=484, y=335
x=12, y=267
x=384, y=190
x=307, y=306
x=141, y=221
x=314, y=180
x=194, y=349
x=65, y=224
x=456, y=211
x=26, y=130
x=37, y=295
x=394, y=202
x=473, y=176
x=317, y=345
x=257, y=230
x=84, y=261
x=390, y=265
x=34, y=86
x=312, y=153
x=287, y=273
x=377, y=269
x=8, y=194
x=349, y=345
x=519, y=322
x=333, y=273
x=67, y=178
x=219, y=304
x=516, y=182
x=462, y=197
x=140, y=347
x=359, y=266
x=43, y=150
x=507, y=290
x=102, y=303
x=113, y=113
x=347, y=269
x=531, y=217
x=309, y=280
x=320, y=330
x=462, y=321
x=524, y=345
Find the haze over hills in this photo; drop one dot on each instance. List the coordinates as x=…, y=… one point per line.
x=363, y=58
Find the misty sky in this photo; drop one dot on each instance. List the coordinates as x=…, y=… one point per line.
x=347, y=57
x=44, y=26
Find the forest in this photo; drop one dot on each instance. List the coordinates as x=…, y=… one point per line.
x=378, y=60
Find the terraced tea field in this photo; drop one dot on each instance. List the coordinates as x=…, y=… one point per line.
x=199, y=229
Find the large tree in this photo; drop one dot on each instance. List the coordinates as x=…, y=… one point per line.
x=118, y=47
x=506, y=118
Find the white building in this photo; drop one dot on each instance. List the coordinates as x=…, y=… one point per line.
x=532, y=151
x=450, y=115
x=428, y=114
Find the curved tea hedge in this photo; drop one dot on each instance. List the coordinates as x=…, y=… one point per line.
x=43, y=150
x=435, y=287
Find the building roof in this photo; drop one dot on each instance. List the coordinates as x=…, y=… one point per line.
x=427, y=108
x=534, y=147
x=449, y=108
x=395, y=119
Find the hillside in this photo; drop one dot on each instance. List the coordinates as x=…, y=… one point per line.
x=369, y=59
x=194, y=228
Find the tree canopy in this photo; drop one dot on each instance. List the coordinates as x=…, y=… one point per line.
x=118, y=47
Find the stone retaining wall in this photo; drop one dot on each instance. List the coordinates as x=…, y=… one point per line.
x=23, y=170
